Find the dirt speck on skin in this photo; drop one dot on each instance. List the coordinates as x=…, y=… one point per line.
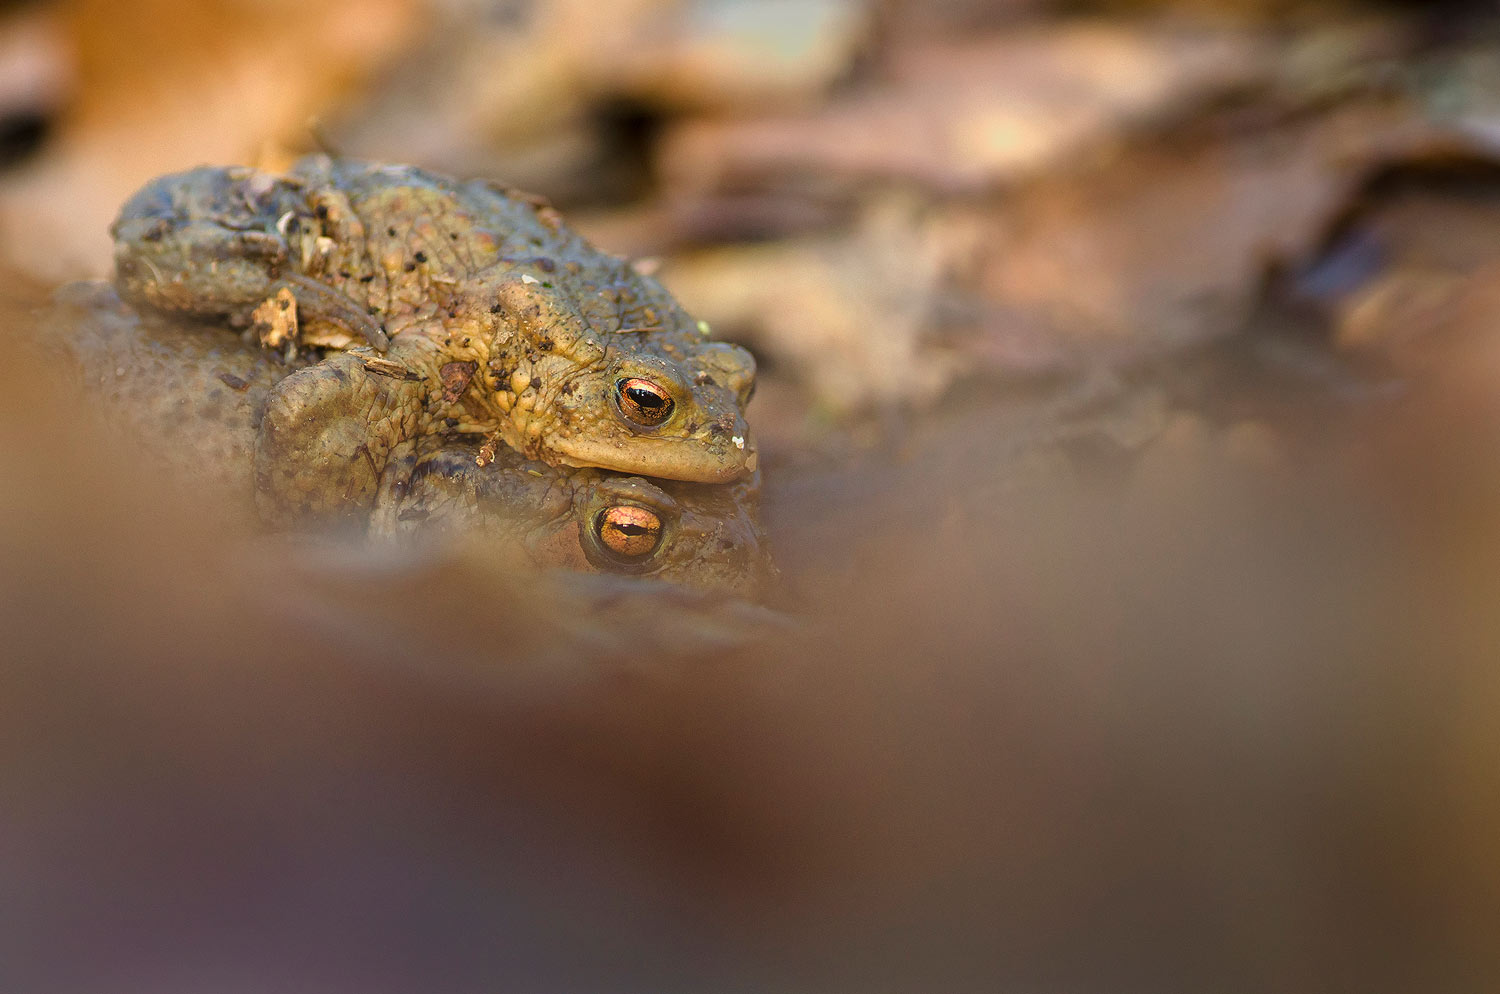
x=275, y=320
x=456, y=377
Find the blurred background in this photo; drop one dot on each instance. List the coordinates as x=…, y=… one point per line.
x=1131, y=440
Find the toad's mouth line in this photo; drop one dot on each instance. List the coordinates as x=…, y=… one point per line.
x=695, y=471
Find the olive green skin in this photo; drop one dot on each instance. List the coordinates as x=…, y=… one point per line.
x=484, y=315
x=187, y=398
x=191, y=398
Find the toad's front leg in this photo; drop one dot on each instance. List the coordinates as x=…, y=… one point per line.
x=328, y=432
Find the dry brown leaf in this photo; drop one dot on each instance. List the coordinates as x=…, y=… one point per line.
x=967, y=115
x=165, y=85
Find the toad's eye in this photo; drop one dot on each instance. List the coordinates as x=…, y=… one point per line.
x=631, y=534
x=643, y=402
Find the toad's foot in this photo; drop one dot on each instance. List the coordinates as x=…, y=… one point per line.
x=327, y=434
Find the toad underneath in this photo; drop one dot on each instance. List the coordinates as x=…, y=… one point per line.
x=190, y=398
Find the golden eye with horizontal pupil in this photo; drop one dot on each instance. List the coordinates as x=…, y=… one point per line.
x=629, y=532
x=643, y=402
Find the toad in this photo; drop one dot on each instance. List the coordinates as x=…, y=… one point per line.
x=193, y=396
x=585, y=519
x=452, y=307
